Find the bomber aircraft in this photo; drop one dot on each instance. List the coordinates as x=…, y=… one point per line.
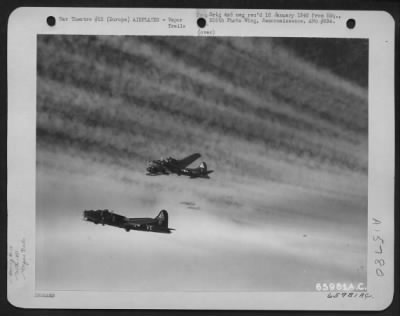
x=179, y=167
x=159, y=224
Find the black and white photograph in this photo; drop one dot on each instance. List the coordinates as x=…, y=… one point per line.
x=200, y=159
x=172, y=163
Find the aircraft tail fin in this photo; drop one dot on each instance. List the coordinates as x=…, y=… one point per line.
x=202, y=171
x=183, y=163
x=203, y=167
x=162, y=218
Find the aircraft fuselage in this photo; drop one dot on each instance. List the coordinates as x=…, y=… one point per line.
x=179, y=167
x=105, y=217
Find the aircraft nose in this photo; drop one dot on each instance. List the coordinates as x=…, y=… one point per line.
x=85, y=215
x=150, y=168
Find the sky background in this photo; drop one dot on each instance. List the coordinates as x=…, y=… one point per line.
x=283, y=126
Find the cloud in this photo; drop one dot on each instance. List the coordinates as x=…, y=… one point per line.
x=290, y=159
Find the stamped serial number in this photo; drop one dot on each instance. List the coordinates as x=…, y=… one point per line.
x=325, y=287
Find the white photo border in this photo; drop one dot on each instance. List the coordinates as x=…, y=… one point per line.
x=24, y=26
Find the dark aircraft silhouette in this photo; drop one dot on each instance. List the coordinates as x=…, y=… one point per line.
x=179, y=167
x=199, y=172
x=159, y=224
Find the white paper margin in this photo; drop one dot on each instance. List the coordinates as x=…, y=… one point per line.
x=26, y=23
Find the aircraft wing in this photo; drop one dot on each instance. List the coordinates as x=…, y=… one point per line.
x=183, y=163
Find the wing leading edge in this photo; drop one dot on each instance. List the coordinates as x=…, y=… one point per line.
x=183, y=163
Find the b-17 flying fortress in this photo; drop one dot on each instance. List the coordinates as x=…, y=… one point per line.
x=159, y=224
x=179, y=167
